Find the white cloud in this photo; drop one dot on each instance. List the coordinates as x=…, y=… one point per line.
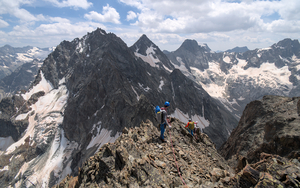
x=131, y=15
x=109, y=15
x=3, y=23
x=71, y=3
x=206, y=16
x=12, y=7
x=48, y=35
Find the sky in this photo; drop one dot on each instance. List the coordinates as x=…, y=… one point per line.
x=221, y=24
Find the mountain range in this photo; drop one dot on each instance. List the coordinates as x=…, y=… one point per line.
x=86, y=92
x=92, y=88
x=18, y=67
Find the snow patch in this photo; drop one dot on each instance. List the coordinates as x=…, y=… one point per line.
x=227, y=59
x=161, y=84
x=202, y=122
x=5, y=142
x=4, y=168
x=267, y=75
x=22, y=116
x=145, y=89
x=182, y=66
x=43, y=85
x=44, y=123
x=137, y=95
x=263, y=49
x=241, y=98
x=149, y=58
x=102, y=137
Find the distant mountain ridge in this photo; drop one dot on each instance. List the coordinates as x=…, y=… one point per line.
x=239, y=78
x=238, y=49
x=11, y=58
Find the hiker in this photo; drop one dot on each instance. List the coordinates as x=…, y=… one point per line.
x=164, y=122
x=191, y=126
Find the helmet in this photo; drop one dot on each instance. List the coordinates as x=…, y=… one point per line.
x=167, y=103
x=190, y=119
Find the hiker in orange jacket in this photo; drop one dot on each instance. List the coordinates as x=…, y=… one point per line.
x=191, y=126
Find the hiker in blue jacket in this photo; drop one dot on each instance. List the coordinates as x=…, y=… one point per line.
x=164, y=121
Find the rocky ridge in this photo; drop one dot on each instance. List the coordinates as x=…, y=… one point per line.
x=265, y=144
x=138, y=158
x=269, y=125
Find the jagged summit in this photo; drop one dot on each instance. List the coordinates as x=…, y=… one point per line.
x=139, y=159
x=145, y=49
x=193, y=46
x=238, y=49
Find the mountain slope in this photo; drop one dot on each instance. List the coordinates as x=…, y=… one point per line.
x=87, y=91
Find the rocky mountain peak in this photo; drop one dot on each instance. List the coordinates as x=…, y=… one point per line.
x=193, y=46
x=141, y=45
x=287, y=48
x=145, y=49
x=238, y=49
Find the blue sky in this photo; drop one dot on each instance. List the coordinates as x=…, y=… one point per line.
x=221, y=24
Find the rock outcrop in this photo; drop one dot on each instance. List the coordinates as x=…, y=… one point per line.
x=270, y=171
x=138, y=158
x=264, y=148
x=269, y=125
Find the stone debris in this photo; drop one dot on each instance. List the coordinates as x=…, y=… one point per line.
x=138, y=158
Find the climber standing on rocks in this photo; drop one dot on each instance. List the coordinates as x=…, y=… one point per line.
x=191, y=126
x=164, y=121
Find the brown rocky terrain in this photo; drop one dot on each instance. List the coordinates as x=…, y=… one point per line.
x=139, y=159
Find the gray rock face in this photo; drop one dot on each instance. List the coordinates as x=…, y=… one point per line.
x=298, y=107
x=238, y=49
x=191, y=54
x=270, y=125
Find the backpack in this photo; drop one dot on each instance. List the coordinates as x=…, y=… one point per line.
x=191, y=125
x=159, y=115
